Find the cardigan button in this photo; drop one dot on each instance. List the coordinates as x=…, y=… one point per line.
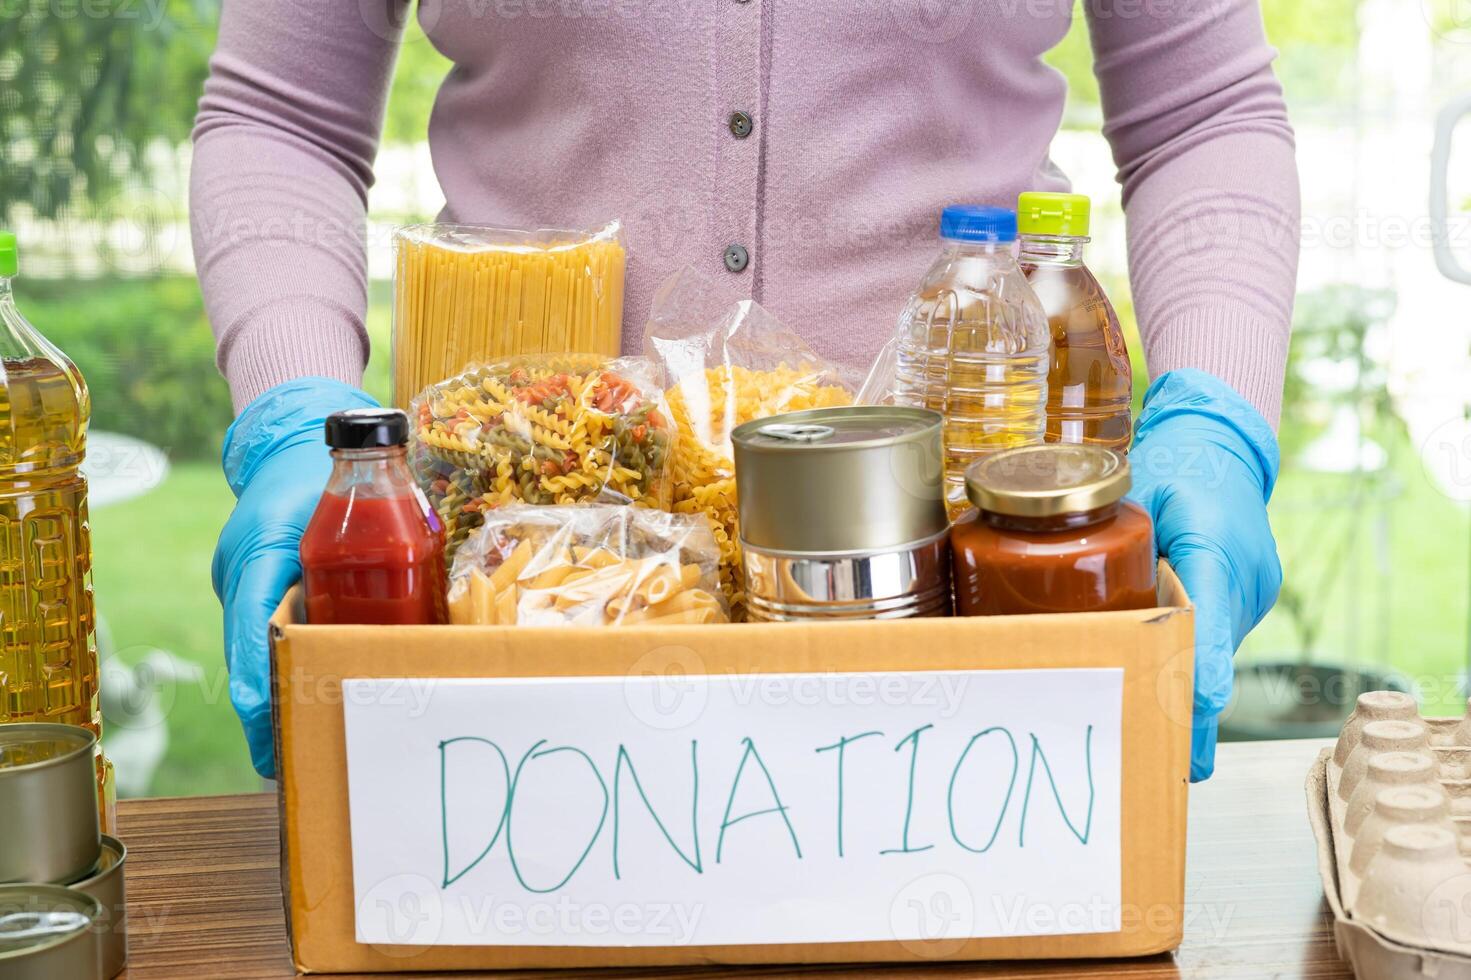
x=741, y=124
x=737, y=258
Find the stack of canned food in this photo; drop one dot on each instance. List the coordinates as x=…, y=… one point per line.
x=62, y=907
x=843, y=516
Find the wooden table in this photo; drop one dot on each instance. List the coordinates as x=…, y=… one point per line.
x=205, y=898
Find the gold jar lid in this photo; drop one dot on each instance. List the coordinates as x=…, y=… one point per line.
x=1047, y=480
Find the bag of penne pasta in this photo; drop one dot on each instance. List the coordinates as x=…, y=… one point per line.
x=727, y=361
x=592, y=565
x=540, y=430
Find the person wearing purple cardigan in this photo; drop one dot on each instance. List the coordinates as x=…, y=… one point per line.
x=800, y=151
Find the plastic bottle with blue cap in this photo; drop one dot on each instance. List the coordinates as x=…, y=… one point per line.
x=973, y=344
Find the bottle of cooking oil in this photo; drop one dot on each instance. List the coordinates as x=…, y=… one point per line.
x=48, y=648
x=1090, y=384
x=973, y=344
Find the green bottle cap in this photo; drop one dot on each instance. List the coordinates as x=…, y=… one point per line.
x=1045, y=213
x=8, y=265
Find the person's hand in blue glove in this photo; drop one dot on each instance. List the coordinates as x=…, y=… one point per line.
x=1204, y=462
x=277, y=462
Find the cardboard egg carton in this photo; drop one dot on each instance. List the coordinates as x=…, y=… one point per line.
x=1391, y=805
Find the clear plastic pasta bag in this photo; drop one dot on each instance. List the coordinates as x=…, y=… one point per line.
x=878, y=386
x=471, y=293
x=540, y=430
x=591, y=565
x=728, y=361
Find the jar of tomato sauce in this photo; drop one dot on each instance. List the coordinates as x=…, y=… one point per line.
x=373, y=551
x=1052, y=533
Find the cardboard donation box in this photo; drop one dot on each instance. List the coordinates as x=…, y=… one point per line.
x=921, y=789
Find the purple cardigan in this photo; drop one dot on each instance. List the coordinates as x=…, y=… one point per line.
x=866, y=118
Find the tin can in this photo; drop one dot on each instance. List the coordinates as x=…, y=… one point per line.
x=842, y=514
x=48, y=932
x=48, y=802
x=106, y=885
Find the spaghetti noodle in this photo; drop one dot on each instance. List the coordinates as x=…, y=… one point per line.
x=464, y=293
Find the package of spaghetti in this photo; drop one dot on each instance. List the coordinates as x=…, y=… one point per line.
x=540, y=430
x=728, y=361
x=586, y=565
x=472, y=293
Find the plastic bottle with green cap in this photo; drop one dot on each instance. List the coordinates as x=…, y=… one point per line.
x=8, y=264
x=48, y=649
x=1090, y=384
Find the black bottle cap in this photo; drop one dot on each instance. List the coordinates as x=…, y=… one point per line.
x=367, y=428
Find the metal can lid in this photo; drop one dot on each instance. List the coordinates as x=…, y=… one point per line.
x=34, y=918
x=26, y=744
x=845, y=427
x=843, y=480
x=1047, y=480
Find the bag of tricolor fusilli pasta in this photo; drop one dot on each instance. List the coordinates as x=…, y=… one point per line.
x=727, y=361
x=544, y=429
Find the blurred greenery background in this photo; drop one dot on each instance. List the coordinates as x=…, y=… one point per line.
x=94, y=117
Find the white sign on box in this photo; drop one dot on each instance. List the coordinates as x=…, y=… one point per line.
x=737, y=809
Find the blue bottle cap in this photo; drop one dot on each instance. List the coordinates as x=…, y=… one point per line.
x=978, y=223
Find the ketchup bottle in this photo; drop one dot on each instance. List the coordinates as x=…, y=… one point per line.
x=374, y=550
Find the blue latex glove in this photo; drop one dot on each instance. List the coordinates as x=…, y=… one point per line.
x=277, y=462
x=1204, y=463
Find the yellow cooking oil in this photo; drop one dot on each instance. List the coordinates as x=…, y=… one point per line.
x=48, y=646
x=1090, y=385
x=972, y=344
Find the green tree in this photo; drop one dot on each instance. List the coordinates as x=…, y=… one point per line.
x=87, y=88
